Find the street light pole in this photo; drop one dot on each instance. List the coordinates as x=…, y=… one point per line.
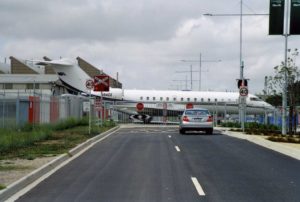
x=242, y=99
x=284, y=90
x=200, y=66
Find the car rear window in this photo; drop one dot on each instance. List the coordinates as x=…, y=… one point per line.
x=196, y=112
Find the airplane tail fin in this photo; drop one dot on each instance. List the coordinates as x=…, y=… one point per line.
x=60, y=62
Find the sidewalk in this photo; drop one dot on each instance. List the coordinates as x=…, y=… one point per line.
x=289, y=149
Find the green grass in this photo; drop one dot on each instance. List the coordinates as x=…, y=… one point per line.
x=46, y=140
x=2, y=186
x=285, y=138
x=13, y=167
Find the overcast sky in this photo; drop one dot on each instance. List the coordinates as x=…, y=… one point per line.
x=145, y=40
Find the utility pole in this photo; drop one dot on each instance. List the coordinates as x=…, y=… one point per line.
x=200, y=66
x=285, y=85
x=242, y=99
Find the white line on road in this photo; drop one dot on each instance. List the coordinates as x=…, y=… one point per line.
x=177, y=148
x=169, y=136
x=198, y=186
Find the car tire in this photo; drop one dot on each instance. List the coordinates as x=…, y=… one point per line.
x=182, y=131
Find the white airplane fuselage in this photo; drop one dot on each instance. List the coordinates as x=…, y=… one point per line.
x=74, y=77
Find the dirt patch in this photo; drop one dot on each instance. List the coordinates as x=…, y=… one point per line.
x=14, y=169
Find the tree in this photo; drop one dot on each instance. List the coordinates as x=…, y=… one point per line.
x=277, y=83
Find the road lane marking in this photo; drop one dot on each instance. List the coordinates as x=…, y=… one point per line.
x=198, y=186
x=169, y=136
x=177, y=148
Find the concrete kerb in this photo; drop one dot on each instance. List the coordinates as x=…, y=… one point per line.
x=275, y=146
x=33, y=176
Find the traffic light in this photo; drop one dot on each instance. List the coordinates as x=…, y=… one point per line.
x=242, y=83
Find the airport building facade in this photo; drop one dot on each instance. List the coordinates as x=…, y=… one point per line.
x=34, y=94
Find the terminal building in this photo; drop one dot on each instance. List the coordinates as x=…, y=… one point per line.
x=24, y=76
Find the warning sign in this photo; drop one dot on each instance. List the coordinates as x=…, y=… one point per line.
x=101, y=83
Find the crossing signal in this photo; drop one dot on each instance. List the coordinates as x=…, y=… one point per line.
x=242, y=83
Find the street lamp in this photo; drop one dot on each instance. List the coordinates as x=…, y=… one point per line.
x=242, y=100
x=200, y=66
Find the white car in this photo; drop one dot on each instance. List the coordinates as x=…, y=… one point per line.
x=196, y=120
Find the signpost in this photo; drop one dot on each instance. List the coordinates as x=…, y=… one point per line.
x=243, y=91
x=101, y=83
x=89, y=84
x=140, y=106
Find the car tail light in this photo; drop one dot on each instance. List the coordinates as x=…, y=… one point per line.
x=186, y=119
x=210, y=119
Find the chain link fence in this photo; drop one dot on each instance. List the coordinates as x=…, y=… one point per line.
x=17, y=109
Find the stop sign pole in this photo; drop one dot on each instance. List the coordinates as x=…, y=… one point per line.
x=89, y=84
x=101, y=83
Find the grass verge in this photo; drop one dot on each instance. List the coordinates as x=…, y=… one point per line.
x=2, y=186
x=45, y=140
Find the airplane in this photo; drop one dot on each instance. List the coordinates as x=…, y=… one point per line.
x=156, y=102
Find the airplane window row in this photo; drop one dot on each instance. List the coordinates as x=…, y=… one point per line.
x=182, y=99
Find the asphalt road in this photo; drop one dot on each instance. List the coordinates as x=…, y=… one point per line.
x=158, y=164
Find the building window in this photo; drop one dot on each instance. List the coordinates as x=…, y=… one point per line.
x=182, y=99
x=188, y=99
x=202, y=99
x=161, y=98
x=174, y=99
x=32, y=86
x=8, y=86
x=167, y=99
x=216, y=100
x=195, y=99
x=208, y=100
x=147, y=98
x=141, y=98
x=153, y=98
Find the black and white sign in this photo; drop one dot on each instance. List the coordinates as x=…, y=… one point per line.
x=89, y=84
x=243, y=91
